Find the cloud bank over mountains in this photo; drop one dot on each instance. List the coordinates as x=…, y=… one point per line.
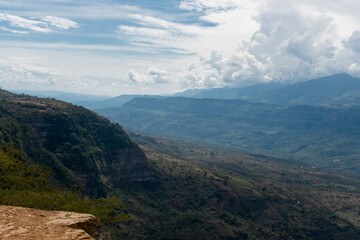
x=294, y=42
x=162, y=48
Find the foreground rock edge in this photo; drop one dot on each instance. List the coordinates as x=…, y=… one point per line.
x=27, y=223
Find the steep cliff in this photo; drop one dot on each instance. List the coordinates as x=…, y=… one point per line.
x=28, y=224
x=85, y=151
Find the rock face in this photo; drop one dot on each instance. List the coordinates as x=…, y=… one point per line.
x=30, y=224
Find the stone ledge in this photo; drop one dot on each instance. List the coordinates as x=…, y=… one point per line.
x=32, y=224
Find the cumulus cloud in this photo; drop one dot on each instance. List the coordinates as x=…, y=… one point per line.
x=154, y=76
x=137, y=77
x=206, y=73
x=45, y=24
x=158, y=75
x=354, y=41
x=297, y=44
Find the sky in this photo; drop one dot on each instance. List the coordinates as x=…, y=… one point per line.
x=114, y=47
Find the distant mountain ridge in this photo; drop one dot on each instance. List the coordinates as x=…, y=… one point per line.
x=337, y=89
x=317, y=91
x=239, y=93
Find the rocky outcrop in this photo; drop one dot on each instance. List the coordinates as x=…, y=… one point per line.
x=30, y=224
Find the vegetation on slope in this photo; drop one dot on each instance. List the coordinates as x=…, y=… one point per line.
x=27, y=186
x=76, y=144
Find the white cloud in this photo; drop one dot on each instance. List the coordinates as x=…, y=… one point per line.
x=13, y=31
x=144, y=33
x=22, y=76
x=154, y=76
x=27, y=75
x=209, y=5
x=69, y=46
x=158, y=33
x=20, y=22
x=228, y=26
x=295, y=41
x=354, y=41
x=60, y=23
x=138, y=78
x=158, y=75
x=170, y=26
x=44, y=25
x=84, y=9
x=152, y=21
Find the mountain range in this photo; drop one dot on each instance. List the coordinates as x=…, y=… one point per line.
x=313, y=121
x=336, y=90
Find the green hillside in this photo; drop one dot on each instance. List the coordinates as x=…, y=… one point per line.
x=24, y=185
x=85, y=151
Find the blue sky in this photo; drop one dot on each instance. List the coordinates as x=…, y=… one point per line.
x=158, y=47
